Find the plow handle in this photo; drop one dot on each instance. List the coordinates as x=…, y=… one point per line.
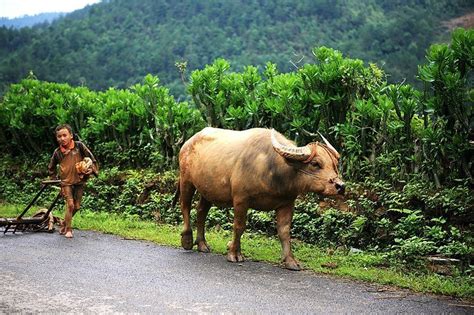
x=51, y=182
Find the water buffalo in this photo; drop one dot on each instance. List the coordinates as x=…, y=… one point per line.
x=256, y=168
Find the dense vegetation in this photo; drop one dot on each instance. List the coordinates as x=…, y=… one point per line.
x=117, y=42
x=407, y=153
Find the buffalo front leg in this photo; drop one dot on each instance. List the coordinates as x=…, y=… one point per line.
x=284, y=218
x=202, y=211
x=240, y=218
x=185, y=199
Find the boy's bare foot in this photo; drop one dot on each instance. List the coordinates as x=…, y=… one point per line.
x=69, y=234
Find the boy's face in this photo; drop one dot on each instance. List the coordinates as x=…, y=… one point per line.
x=64, y=137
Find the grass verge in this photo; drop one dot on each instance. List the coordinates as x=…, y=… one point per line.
x=359, y=266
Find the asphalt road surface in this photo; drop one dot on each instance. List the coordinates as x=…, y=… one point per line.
x=98, y=273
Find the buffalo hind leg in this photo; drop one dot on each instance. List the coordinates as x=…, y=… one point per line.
x=186, y=197
x=284, y=216
x=240, y=219
x=202, y=211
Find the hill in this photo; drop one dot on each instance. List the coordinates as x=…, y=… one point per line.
x=118, y=42
x=30, y=20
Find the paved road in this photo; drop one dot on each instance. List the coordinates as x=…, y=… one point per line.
x=97, y=273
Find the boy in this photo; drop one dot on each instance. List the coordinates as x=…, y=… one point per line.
x=67, y=155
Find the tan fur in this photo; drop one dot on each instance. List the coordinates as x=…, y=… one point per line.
x=242, y=169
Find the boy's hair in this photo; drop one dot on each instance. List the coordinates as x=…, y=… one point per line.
x=63, y=126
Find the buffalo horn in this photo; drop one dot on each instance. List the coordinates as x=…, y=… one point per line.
x=329, y=146
x=290, y=152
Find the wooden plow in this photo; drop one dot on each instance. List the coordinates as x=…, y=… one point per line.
x=41, y=221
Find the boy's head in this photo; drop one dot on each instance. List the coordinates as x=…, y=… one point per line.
x=64, y=134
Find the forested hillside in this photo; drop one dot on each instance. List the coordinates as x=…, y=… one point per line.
x=118, y=42
x=30, y=20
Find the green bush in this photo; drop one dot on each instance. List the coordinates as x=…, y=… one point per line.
x=141, y=126
x=411, y=250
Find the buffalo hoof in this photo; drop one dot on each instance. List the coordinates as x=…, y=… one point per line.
x=235, y=257
x=187, y=240
x=292, y=264
x=203, y=247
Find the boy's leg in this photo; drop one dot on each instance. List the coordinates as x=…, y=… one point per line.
x=78, y=191
x=66, y=191
x=68, y=196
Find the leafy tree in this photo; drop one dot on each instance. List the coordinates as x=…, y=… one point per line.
x=117, y=43
x=449, y=101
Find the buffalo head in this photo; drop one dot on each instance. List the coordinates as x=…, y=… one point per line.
x=317, y=163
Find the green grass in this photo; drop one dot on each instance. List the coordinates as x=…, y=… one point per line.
x=361, y=266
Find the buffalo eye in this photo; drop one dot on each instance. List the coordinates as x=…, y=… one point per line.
x=315, y=164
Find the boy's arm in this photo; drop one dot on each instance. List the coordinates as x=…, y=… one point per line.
x=52, y=166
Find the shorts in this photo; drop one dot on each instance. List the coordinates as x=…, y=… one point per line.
x=73, y=192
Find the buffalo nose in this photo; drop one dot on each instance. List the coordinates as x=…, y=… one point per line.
x=341, y=188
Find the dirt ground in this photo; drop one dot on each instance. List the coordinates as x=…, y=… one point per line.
x=466, y=21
